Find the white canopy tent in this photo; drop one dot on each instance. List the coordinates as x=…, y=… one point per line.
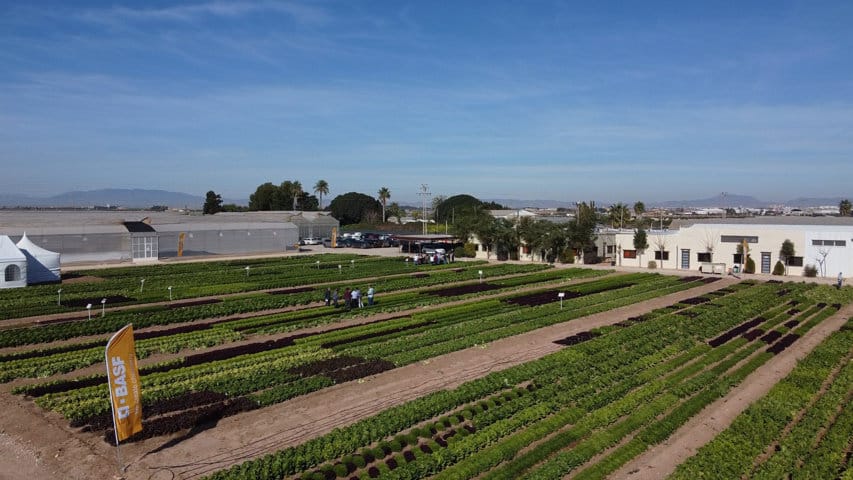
x=42, y=264
x=13, y=264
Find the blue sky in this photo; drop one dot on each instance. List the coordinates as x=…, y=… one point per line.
x=533, y=100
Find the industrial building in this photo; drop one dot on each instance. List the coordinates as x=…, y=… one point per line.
x=126, y=235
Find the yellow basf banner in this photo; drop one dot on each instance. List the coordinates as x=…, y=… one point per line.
x=334, y=239
x=181, y=244
x=123, y=377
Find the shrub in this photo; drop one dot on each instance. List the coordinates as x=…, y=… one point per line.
x=341, y=470
x=358, y=461
x=810, y=271
x=653, y=264
x=566, y=256
x=469, y=250
x=750, y=265
x=778, y=269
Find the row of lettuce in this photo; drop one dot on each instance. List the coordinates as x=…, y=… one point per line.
x=607, y=398
x=303, y=294
x=295, y=365
x=46, y=361
x=145, y=284
x=801, y=429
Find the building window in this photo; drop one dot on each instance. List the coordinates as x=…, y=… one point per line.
x=13, y=273
x=738, y=239
x=658, y=255
x=829, y=243
x=629, y=254
x=703, y=257
x=795, y=261
x=611, y=248
x=144, y=247
x=737, y=258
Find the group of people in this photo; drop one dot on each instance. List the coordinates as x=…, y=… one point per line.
x=436, y=258
x=350, y=299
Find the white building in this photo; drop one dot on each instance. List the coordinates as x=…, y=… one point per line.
x=825, y=243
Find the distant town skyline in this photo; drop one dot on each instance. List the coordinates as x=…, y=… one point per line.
x=561, y=101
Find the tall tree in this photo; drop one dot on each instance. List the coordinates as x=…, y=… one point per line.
x=639, y=208
x=640, y=244
x=581, y=232
x=297, y=192
x=844, y=208
x=394, y=210
x=384, y=195
x=264, y=198
x=212, y=203
x=353, y=207
x=321, y=188
x=787, y=251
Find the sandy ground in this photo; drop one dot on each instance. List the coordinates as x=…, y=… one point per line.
x=38, y=445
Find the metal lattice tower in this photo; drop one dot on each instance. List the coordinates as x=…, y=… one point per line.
x=424, y=194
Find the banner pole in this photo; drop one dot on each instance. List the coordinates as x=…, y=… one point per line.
x=112, y=404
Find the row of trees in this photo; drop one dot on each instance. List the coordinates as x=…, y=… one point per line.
x=351, y=207
x=549, y=241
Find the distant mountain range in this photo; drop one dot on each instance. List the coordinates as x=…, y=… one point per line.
x=728, y=200
x=140, y=198
x=116, y=197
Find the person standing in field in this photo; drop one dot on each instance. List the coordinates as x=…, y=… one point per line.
x=327, y=297
x=335, y=297
x=840, y=281
x=347, y=295
x=370, y=293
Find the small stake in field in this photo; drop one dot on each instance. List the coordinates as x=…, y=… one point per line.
x=339, y=269
x=170, y=292
x=247, y=270
x=103, y=307
x=318, y=264
x=59, y=298
x=480, y=272
x=561, y=295
x=352, y=263
x=141, y=285
x=89, y=310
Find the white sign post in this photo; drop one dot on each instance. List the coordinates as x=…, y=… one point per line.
x=561, y=295
x=89, y=310
x=103, y=306
x=170, y=293
x=480, y=272
x=59, y=299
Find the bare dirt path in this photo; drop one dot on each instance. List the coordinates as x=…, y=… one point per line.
x=42, y=445
x=661, y=460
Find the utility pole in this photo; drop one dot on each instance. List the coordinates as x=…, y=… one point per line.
x=424, y=194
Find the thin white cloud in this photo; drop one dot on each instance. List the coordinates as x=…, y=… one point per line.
x=117, y=15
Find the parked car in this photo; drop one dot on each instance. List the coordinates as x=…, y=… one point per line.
x=327, y=242
x=309, y=241
x=355, y=243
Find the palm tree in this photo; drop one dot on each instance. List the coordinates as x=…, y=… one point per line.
x=618, y=214
x=321, y=188
x=384, y=195
x=844, y=208
x=297, y=192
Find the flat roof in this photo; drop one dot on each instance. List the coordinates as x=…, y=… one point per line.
x=765, y=220
x=16, y=222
